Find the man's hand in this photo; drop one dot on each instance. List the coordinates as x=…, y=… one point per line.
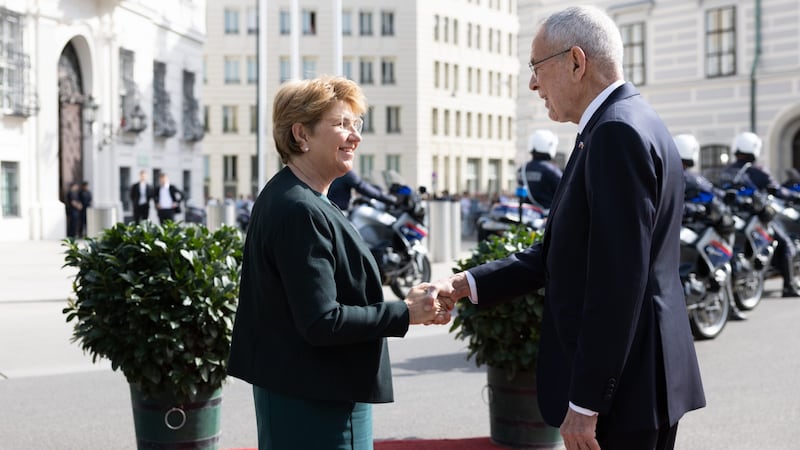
x=578, y=431
x=452, y=289
x=424, y=307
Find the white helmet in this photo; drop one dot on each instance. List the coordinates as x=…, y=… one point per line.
x=748, y=143
x=543, y=141
x=688, y=147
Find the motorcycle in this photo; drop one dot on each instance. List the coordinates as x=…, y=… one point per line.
x=788, y=217
x=394, y=234
x=754, y=245
x=504, y=214
x=705, y=268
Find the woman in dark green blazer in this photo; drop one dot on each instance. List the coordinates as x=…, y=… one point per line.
x=311, y=325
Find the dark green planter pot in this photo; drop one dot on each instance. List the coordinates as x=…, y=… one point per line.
x=514, y=414
x=168, y=424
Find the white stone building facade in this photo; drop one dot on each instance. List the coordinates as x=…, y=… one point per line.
x=440, y=78
x=95, y=90
x=696, y=62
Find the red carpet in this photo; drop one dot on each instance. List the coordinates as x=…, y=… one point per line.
x=482, y=443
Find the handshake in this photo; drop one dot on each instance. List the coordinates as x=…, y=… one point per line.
x=431, y=303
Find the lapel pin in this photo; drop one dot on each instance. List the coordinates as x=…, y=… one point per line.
x=580, y=145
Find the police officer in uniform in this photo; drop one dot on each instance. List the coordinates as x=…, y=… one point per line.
x=695, y=184
x=746, y=148
x=541, y=175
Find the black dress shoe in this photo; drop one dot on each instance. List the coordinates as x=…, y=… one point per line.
x=790, y=292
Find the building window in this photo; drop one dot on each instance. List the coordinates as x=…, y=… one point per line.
x=205, y=118
x=231, y=21
x=369, y=122
x=472, y=175
x=478, y=81
x=469, y=124
x=229, y=175
x=187, y=184
x=17, y=96
x=192, y=128
x=252, y=20
x=309, y=68
x=387, y=71
x=309, y=22
x=489, y=125
x=229, y=120
x=480, y=125
x=633, y=56
x=366, y=164
x=447, y=76
x=232, y=70
x=9, y=188
x=253, y=119
x=347, y=23
x=436, y=66
x=365, y=72
x=435, y=121
x=713, y=160
x=347, y=68
x=393, y=162
x=455, y=78
x=387, y=23
x=455, y=31
x=393, y=119
x=252, y=70
x=469, y=35
x=721, y=42
x=365, y=23
x=436, y=28
x=493, y=177
x=229, y=168
x=478, y=37
x=164, y=124
x=458, y=123
x=285, y=68
x=124, y=183
x=285, y=22
x=447, y=122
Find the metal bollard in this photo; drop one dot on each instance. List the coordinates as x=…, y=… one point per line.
x=100, y=218
x=229, y=214
x=440, y=229
x=455, y=229
x=214, y=217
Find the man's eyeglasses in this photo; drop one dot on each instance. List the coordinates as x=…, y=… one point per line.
x=351, y=124
x=532, y=64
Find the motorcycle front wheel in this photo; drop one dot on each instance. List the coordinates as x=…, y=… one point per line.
x=709, y=316
x=748, y=289
x=420, y=273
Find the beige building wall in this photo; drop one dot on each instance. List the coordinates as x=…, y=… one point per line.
x=30, y=151
x=434, y=156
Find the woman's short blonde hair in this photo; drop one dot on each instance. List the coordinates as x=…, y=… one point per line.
x=304, y=102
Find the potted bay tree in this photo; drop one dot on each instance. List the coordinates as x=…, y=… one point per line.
x=505, y=338
x=158, y=302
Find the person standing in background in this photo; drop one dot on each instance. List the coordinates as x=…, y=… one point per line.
x=72, y=202
x=85, y=196
x=140, y=194
x=167, y=200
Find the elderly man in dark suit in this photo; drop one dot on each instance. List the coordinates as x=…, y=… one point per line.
x=141, y=194
x=617, y=364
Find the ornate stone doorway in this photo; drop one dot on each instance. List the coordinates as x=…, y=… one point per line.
x=70, y=120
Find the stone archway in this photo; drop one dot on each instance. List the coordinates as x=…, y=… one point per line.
x=70, y=120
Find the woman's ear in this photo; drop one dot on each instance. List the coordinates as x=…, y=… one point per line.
x=300, y=136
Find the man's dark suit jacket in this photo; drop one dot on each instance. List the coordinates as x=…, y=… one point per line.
x=135, y=194
x=615, y=334
x=311, y=320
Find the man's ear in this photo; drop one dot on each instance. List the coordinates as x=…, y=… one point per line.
x=578, y=58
